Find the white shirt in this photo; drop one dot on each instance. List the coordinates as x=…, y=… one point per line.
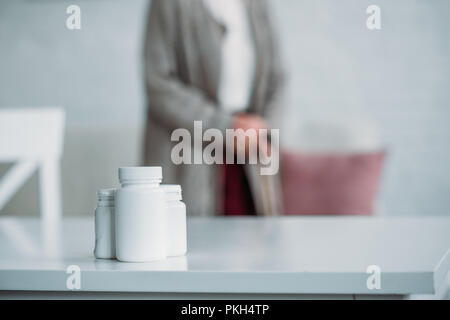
x=238, y=54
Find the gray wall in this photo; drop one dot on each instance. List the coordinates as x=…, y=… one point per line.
x=93, y=72
x=397, y=76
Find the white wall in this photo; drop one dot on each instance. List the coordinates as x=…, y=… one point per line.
x=398, y=76
x=94, y=72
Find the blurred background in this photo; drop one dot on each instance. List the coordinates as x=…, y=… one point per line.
x=350, y=91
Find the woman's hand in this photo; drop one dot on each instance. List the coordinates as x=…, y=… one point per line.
x=245, y=122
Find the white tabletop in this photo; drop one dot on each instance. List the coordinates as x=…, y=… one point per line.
x=300, y=255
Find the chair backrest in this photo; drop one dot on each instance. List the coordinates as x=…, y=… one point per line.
x=32, y=138
x=31, y=133
x=330, y=183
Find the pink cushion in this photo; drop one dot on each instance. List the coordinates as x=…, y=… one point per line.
x=335, y=184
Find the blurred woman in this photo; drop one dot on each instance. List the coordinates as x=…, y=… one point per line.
x=215, y=61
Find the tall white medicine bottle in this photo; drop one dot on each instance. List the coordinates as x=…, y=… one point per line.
x=176, y=221
x=105, y=242
x=140, y=215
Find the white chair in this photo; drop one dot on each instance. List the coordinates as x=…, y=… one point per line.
x=33, y=139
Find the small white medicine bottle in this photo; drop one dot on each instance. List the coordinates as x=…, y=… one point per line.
x=176, y=221
x=105, y=242
x=140, y=215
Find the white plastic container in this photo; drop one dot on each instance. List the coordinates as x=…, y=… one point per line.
x=140, y=215
x=105, y=242
x=176, y=221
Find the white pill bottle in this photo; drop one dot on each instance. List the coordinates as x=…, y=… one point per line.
x=176, y=221
x=105, y=242
x=140, y=215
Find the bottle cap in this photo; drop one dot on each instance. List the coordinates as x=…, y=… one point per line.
x=106, y=194
x=137, y=174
